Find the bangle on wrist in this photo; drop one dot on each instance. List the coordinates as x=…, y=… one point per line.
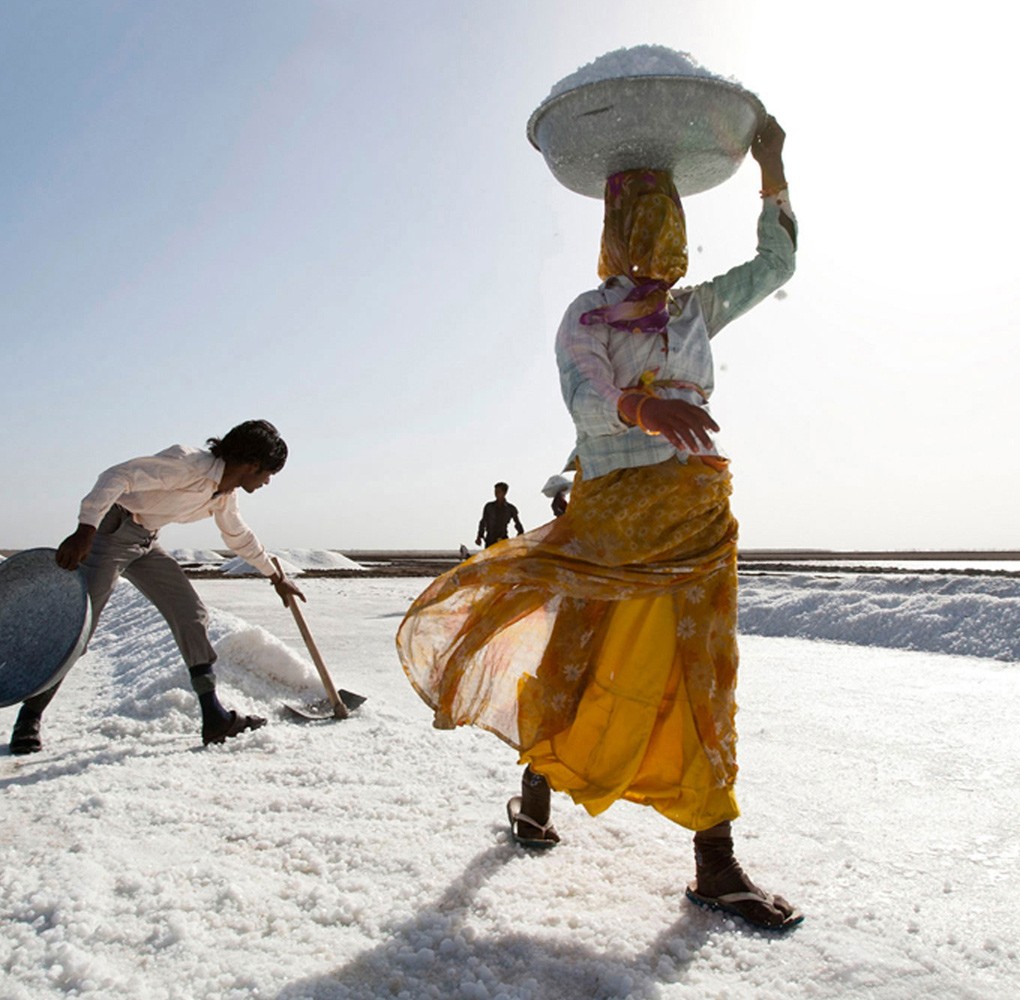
x=641, y=395
x=626, y=394
x=635, y=421
x=637, y=417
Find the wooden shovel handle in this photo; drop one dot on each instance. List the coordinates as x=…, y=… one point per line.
x=339, y=708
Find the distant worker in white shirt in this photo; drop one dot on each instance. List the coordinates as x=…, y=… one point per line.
x=118, y=525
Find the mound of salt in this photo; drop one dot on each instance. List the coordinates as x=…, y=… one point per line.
x=641, y=60
x=197, y=557
x=239, y=567
x=294, y=562
x=317, y=559
x=253, y=652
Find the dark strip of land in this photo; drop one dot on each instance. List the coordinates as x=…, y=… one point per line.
x=433, y=562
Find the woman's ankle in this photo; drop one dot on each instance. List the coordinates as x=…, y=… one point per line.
x=535, y=796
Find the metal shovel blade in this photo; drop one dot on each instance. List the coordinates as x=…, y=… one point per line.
x=323, y=708
x=339, y=704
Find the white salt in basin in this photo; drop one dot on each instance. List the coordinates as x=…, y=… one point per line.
x=647, y=107
x=45, y=617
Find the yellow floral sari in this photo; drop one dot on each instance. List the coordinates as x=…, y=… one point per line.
x=602, y=646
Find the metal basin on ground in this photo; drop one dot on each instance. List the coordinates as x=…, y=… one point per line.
x=45, y=618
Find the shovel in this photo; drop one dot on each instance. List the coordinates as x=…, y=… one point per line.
x=339, y=704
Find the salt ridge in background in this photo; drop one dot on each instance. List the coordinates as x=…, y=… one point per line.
x=197, y=557
x=293, y=562
x=969, y=616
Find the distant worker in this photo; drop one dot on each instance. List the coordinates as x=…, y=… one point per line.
x=118, y=524
x=556, y=488
x=496, y=517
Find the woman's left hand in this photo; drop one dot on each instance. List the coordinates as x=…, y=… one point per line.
x=767, y=149
x=767, y=144
x=684, y=425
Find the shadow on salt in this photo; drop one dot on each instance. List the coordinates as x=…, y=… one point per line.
x=438, y=953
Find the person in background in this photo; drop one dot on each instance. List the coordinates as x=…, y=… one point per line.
x=496, y=517
x=556, y=488
x=603, y=645
x=118, y=525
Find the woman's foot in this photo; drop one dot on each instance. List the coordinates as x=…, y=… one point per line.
x=721, y=884
x=753, y=905
x=526, y=831
x=529, y=813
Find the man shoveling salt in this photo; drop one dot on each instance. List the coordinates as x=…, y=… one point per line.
x=118, y=528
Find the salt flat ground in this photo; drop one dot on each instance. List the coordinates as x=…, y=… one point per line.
x=370, y=858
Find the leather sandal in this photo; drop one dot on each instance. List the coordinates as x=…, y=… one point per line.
x=546, y=835
x=758, y=908
x=226, y=729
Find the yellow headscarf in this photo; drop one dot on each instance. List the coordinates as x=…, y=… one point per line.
x=644, y=237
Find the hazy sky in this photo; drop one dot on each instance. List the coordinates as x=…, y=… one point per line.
x=327, y=214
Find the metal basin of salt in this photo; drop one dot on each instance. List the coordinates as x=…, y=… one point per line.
x=697, y=127
x=45, y=619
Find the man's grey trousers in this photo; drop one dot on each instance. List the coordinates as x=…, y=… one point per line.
x=121, y=547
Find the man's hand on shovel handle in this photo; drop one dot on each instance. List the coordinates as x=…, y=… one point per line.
x=286, y=589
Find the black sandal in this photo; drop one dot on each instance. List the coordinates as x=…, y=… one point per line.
x=546, y=835
x=756, y=907
x=231, y=727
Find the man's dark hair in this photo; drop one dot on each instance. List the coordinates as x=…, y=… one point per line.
x=502, y=486
x=256, y=441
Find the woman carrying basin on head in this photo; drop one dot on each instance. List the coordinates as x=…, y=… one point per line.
x=602, y=646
